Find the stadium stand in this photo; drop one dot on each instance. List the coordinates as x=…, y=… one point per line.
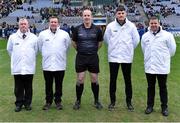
x=167, y=11
x=69, y=12
x=103, y=2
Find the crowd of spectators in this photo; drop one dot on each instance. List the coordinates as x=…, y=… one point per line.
x=161, y=10
x=153, y=8
x=6, y=7
x=68, y=11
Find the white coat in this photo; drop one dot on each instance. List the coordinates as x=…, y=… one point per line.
x=23, y=53
x=54, y=49
x=121, y=41
x=157, y=50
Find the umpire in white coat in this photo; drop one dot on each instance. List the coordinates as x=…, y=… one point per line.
x=158, y=46
x=22, y=48
x=121, y=37
x=53, y=44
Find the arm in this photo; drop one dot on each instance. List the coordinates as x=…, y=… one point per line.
x=10, y=46
x=107, y=35
x=171, y=45
x=68, y=41
x=39, y=43
x=74, y=44
x=142, y=44
x=100, y=38
x=100, y=44
x=74, y=38
x=135, y=37
x=36, y=46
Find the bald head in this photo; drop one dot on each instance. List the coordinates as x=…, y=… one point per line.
x=87, y=11
x=87, y=17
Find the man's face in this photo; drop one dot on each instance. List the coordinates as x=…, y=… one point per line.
x=23, y=25
x=154, y=25
x=87, y=17
x=53, y=23
x=121, y=15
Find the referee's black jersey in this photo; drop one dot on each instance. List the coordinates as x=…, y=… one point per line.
x=87, y=39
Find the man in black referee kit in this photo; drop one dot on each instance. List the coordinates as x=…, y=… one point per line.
x=87, y=39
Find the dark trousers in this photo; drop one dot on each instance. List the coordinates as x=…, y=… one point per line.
x=23, y=89
x=162, y=80
x=126, y=70
x=49, y=76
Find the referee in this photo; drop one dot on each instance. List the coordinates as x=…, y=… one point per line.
x=22, y=48
x=53, y=44
x=121, y=37
x=87, y=39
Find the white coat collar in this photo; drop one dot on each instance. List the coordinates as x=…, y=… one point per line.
x=126, y=23
x=56, y=30
x=20, y=34
x=157, y=32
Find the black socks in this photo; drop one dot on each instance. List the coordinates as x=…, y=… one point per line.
x=79, y=90
x=95, y=89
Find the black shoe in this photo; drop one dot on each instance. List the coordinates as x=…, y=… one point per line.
x=165, y=112
x=149, y=110
x=46, y=106
x=59, y=106
x=130, y=107
x=111, y=106
x=18, y=109
x=28, y=108
x=98, y=105
x=76, y=105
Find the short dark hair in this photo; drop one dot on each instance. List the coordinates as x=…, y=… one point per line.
x=53, y=18
x=120, y=8
x=154, y=18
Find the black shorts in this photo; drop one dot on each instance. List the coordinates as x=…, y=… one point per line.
x=87, y=62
